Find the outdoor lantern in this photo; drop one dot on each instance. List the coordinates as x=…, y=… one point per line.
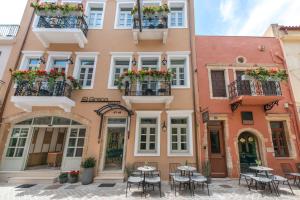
x=42, y=60
x=164, y=127
x=164, y=61
x=70, y=60
x=133, y=62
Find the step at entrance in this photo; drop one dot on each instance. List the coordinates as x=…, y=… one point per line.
x=109, y=177
x=32, y=180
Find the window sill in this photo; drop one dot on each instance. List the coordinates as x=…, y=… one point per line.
x=95, y=28
x=147, y=154
x=180, y=87
x=284, y=158
x=219, y=98
x=180, y=154
x=87, y=88
x=121, y=28
x=178, y=27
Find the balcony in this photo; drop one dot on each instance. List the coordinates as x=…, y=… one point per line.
x=43, y=93
x=62, y=30
x=153, y=28
x=253, y=92
x=148, y=91
x=8, y=31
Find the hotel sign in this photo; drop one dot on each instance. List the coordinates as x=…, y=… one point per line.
x=98, y=100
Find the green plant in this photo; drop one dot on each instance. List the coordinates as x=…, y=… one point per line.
x=258, y=162
x=63, y=175
x=207, y=169
x=263, y=74
x=90, y=162
x=53, y=7
x=151, y=10
x=129, y=169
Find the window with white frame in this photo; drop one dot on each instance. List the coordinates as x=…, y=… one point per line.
x=177, y=15
x=120, y=65
x=30, y=61
x=178, y=68
x=147, y=135
x=76, y=142
x=86, y=72
x=149, y=84
x=180, y=133
x=17, y=142
x=58, y=61
x=124, y=17
x=60, y=65
x=95, y=15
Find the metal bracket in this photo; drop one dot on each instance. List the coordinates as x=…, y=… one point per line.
x=235, y=105
x=269, y=106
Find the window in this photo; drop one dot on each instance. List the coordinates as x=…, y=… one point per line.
x=179, y=135
x=33, y=63
x=179, y=70
x=86, y=72
x=177, y=15
x=95, y=15
x=279, y=139
x=120, y=65
x=58, y=60
x=148, y=136
x=60, y=65
x=124, y=17
x=17, y=142
x=150, y=84
x=147, y=140
x=76, y=142
x=30, y=60
x=247, y=118
x=218, y=83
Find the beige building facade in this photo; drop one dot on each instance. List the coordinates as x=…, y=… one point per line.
x=151, y=121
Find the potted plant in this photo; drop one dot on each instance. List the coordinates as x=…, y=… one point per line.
x=128, y=171
x=63, y=178
x=207, y=171
x=73, y=176
x=88, y=166
x=258, y=162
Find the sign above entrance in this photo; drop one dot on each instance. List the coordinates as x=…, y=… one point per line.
x=97, y=100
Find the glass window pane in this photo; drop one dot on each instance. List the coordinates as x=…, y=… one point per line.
x=152, y=146
x=73, y=132
x=78, y=152
x=10, y=152
x=82, y=132
x=16, y=132
x=19, y=152
x=70, y=152
x=142, y=146
x=42, y=120
x=215, y=142
x=72, y=142
x=80, y=142
x=24, y=132
x=143, y=138
x=174, y=146
x=13, y=142
x=183, y=146
x=22, y=142
x=61, y=121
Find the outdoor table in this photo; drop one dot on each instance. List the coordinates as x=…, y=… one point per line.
x=145, y=169
x=186, y=168
x=261, y=169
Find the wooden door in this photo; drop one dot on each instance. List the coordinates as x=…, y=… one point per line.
x=216, y=151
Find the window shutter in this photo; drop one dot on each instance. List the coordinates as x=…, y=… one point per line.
x=218, y=83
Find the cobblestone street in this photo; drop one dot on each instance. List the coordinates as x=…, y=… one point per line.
x=220, y=189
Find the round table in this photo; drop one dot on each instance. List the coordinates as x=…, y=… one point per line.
x=186, y=168
x=261, y=169
x=145, y=169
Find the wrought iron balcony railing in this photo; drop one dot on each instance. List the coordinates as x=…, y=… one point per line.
x=9, y=31
x=63, y=22
x=154, y=22
x=148, y=88
x=254, y=88
x=43, y=88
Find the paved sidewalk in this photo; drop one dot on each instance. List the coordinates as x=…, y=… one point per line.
x=220, y=189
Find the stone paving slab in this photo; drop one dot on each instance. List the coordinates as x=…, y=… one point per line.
x=220, y=189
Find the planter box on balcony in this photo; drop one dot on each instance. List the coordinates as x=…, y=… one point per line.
x=57, y=13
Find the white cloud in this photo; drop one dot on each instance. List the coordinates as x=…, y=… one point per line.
x=227, y=8
x=262, y=14
x=11, y=11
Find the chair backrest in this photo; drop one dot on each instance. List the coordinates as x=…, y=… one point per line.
x=138, y=164
x=286, y=168
x=173, y=167
x=153, y=164
x=298, y=167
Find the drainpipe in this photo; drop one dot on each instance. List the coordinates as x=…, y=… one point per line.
x=194, y=79
x=140, y=14
x=10, y=83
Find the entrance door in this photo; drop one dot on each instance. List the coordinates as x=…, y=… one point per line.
x=216, y=150
x=248, y=150
x=16, y=149
x=114, y=149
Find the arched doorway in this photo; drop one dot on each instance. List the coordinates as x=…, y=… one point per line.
x=248, y=150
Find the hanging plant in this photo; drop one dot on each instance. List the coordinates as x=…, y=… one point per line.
x=140, y=75
x=263, y=74
x=57, y=9
x=151, y=10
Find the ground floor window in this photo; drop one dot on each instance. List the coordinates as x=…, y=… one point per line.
x=76, y=142
x=279, y=139
x=17, y=142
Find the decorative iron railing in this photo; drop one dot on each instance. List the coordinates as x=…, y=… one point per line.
x=43, y=88
x=254, y=88
x=148, y=88
x=153, y=22
x=64, y=22
x=9, y=31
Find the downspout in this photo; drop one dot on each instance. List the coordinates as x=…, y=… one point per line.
x=140, y=15
x=10, y=83
x=194, y=79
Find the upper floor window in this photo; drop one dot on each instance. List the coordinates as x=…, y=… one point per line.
x=279, y=139
x=179, y=72
x=177, y=15
x=149, y=64
x=119, y=66
x=33, y=63
x=59, y=65
x=218, y=83
x=30, y=60
x=124, y=17
x=95, y=15
x=58, y=61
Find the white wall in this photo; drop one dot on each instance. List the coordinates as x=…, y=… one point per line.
x=5, y=52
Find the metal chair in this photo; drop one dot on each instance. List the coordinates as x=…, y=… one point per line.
x=279, y=179
x=264, y=182
x=135, y=172
x=172, y=170
x=199, y=180
x=181, y=180
x=133, y=180
x=154, y=180
x=245, y=173
x=287, y=169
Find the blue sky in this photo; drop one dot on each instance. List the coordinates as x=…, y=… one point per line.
x=213, y=17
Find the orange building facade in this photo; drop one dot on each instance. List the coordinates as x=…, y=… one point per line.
x=244, y=121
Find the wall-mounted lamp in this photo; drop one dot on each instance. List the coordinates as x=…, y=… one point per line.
x=42, y=60
x=164, y=61
x=70, y=60
x=133, y=62
x=164, y=127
